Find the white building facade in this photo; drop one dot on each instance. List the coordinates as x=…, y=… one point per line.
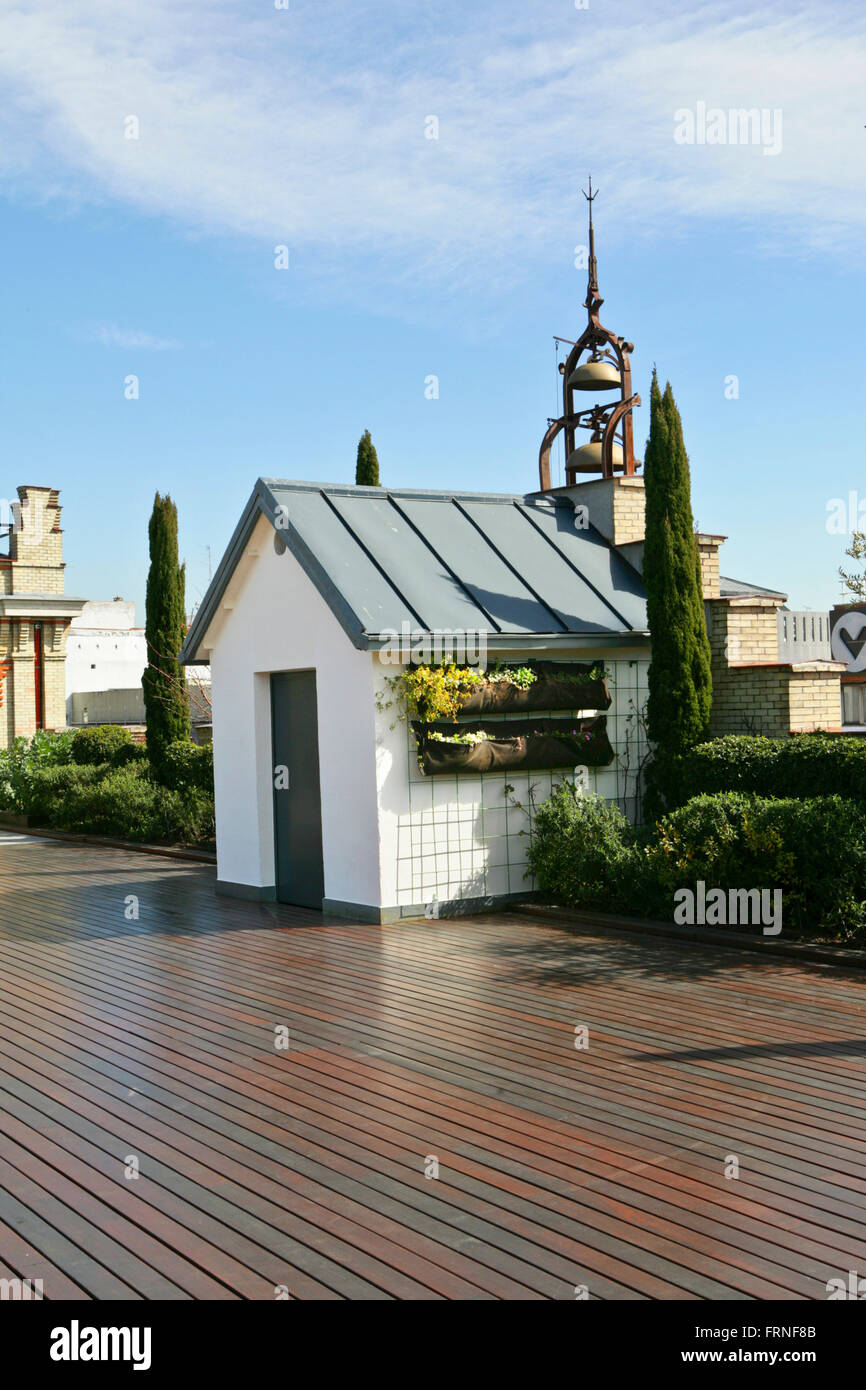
x=313, y=582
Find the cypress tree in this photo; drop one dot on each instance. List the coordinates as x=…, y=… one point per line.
x=165, y=699
x=680, y=684
x=367, y=467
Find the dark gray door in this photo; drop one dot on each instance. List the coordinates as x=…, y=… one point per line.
x=297, y=798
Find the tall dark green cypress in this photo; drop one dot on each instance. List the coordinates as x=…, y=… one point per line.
x=367, y=466
x=680, y=683
x=165, y=699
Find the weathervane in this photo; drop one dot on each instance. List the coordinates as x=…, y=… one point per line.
x=607, y=367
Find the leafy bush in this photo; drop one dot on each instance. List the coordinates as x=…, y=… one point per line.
x=20, y=763
x=123, y=802
x=584, y=853
x=583, y=850
x=103, y=743
x=814, y=850
x=50, y=787
x=186, y=764
x=38, y=778
x=804, y=765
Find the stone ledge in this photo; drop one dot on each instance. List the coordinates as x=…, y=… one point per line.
x=853, y=959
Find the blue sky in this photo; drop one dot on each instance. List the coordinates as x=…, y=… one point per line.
x=411, y=256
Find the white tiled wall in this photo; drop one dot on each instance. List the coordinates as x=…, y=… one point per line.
x=467, y=837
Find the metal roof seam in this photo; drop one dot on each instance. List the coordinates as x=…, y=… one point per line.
x=373, y=561
x=524, y=512
x=433, y=551
x=516, y=572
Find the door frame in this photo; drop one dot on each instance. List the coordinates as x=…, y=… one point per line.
x=272, y=707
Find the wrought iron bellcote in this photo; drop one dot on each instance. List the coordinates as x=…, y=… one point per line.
x=606, y=367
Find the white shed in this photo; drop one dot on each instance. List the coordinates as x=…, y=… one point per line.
x=321, y=799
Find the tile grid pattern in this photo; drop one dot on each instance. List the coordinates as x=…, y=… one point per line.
x=467, y=836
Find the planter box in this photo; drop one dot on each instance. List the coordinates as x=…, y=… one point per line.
x=556, y=687
x=515, y=746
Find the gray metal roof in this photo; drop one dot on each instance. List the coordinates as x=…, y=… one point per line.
x=515, y=568
x=740, y=588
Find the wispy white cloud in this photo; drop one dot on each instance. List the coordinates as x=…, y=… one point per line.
x=111, y=336
x=307, y=126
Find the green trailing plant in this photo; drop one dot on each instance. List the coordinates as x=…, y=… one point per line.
x=680, y=683
x=521, y=676
x=166, y=702
x=431, y=692
x=635, y=757
x=367, y=464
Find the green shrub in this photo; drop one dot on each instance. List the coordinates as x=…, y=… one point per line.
x=186, y=764
x=20, y=763
x=804, y=765
x=582, y=850
x=584, y=853
x=103, y=743
x=50, y=788
x=814, y=850
x=125, y=802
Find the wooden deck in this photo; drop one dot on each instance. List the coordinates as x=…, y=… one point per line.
x=454, y=1040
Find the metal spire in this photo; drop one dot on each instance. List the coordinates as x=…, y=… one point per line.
x=593, y=299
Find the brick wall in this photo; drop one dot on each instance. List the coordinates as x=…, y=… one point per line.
x=629, y=510
x=617, y=507
x=750, y=700
x=36, y=543
x=708, y=549
x=34, y=566
x=753, y=692
x=750, y=627
x=815, y=697
x=54, y=673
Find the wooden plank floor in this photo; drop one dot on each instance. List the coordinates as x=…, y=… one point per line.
x=149, y=1044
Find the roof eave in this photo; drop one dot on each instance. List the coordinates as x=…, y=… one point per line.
x=512, y=641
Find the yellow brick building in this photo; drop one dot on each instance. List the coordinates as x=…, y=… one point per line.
x=34, y=618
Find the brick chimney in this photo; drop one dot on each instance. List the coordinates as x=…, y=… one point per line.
x=708, y=548
x=36, y=542
x=615, y=506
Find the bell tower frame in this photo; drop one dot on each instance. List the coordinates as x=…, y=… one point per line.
x=611, y=424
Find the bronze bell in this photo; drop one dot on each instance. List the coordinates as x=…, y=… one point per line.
x=588, y=459
x=597, y=374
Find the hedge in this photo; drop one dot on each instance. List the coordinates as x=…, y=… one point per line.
x=23, y=759
x=120, y=801
x=185, y=764
x=804, y=765
x=584, y=853
x=56, y=780
x=104, y=743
